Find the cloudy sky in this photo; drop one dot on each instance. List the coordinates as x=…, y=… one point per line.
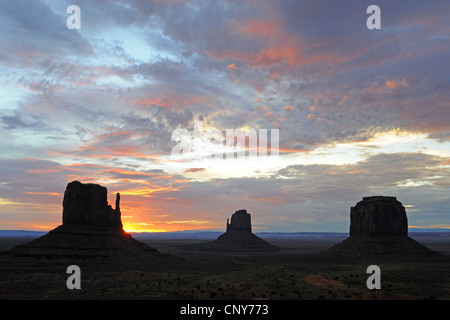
x=359, y=112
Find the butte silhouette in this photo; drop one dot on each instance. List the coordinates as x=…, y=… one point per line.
x=379, y=225
x=91, y=230
x=238, y=237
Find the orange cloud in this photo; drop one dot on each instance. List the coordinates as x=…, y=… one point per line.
x=356, y=171
x=43, y=171
x=172, y=101
x=273, y=200
x=289, y=108
x=123, y=172
x=98, y=151
x=259, y=27
x=396, y=83
x=44, y=193
x=275, y=45
x=291, y=150
x=231, y=66
x=276, y=54
x=149, y=102
x=194, y=170
x=114, y=133
x=146, y=191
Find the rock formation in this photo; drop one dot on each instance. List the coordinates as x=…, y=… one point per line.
x=378, y=216
x=240, y=221
x=87, y=204
x=238, y=237
x=91, y=230
x=379, y=225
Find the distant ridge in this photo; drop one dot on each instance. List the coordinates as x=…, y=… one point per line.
x=21, y=233
x=211, y=234
x=193, y=234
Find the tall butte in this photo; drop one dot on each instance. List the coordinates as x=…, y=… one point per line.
x=379, y=225
x=91, y=230
x=87, y=205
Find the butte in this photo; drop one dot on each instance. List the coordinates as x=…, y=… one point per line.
x=91, y=231
x=238, y=237
x=379, y=226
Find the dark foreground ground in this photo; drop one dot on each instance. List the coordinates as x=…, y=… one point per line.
x=296, y=272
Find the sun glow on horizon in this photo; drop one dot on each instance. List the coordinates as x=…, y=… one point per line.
x=143, y=227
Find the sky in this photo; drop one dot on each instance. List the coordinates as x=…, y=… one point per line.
x=144, y=92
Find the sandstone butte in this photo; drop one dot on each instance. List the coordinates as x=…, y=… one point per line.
x=91, y=230
x=379, y=225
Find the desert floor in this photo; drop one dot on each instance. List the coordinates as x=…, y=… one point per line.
x=297, y=272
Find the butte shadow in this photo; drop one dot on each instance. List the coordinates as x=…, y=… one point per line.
x=379, y=226
x=91, y=232
x=237, y=238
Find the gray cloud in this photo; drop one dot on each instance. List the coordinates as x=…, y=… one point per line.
x=16, y=120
